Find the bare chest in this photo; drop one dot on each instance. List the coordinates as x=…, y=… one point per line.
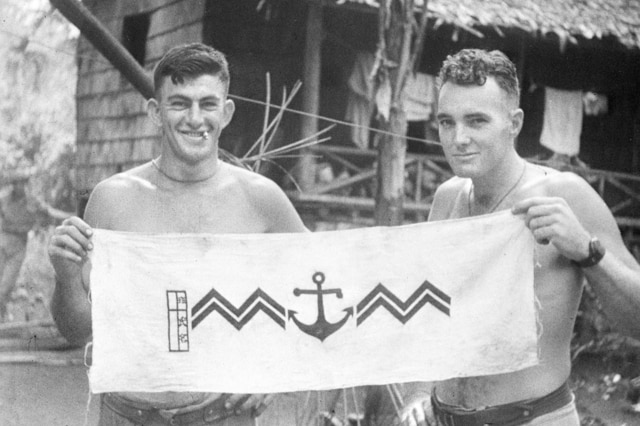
x=189, y=213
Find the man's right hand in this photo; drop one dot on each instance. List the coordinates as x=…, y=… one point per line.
x=417, y=413
x=68, y=249
x=69, y=246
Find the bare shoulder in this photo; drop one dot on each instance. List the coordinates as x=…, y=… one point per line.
x=445, y=198
x=585, y=202
x=249, y=180
x=121, y=185
x=267, y=198
x=451, y=187
x=111, y=194
x=568, y=185
x=590, y=209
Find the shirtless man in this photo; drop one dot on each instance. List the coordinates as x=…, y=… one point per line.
x=575, y=232
x=185, y=189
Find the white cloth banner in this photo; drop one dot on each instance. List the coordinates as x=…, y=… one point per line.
x=287, y=312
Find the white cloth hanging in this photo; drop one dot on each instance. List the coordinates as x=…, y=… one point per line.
x=562, y=124
x=419, y=102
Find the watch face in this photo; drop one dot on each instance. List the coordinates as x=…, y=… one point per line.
x=596, y=247
x=596, y=251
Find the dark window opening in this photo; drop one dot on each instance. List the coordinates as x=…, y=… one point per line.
x=135, y=29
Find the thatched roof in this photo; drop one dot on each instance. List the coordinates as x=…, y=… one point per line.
x=591, y=19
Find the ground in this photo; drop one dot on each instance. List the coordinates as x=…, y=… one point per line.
x=600, y=401
x=56, y=392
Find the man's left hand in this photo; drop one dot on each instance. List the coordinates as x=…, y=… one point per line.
x=552, y=220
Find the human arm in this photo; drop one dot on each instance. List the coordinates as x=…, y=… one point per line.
x=567, y=216
x=278, y=211
x=444, y=199
x=70, y=305
x=68, y=250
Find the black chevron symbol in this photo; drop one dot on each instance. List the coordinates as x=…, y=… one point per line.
x=238, y=317
x=380, y=296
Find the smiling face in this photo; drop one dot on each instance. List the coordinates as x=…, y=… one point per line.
x=192, y=115
x=477, y=127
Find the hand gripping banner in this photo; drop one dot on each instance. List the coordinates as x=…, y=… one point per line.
x=287, y=312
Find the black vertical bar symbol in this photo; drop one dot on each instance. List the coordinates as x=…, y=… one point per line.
x=178, y=320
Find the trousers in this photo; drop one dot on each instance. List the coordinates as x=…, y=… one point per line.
x=109, y=417
x=563, y=416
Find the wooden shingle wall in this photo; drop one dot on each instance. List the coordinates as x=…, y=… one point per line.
x=113, y=131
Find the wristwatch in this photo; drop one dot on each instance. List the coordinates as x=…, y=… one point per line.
x=596, y=253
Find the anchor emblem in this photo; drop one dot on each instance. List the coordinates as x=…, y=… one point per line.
x=321, y=329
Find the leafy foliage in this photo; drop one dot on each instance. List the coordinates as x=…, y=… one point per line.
x=37, y=96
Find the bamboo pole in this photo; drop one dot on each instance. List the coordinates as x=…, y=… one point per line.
x=18, y=328
x=34, y=344
x=106, y=43
x=48, y=358
x=310, y=90
x=399, y=46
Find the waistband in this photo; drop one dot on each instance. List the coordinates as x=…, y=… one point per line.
x=208, y=414
x=512, y=414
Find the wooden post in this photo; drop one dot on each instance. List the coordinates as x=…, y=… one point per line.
x=391, y=159
x=310, y=90
x=399, y=45
x=106, y=43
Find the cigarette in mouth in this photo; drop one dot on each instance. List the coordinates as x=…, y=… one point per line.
x=205, y=135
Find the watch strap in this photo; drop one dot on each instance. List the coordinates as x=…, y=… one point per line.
x=596, y=253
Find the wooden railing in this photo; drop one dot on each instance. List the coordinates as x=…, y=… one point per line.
x=346, y=180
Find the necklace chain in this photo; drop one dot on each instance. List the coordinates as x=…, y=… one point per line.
x=506, y=194
x=171, y=178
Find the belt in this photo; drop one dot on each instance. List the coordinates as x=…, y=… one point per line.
x=512, y=414
x=209, y=414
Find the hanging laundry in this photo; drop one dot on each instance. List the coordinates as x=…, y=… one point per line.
x=421, y=97
x=360, y=108
x=562, y=123
x=419, y=101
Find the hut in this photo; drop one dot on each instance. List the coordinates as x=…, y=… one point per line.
x=589, y=46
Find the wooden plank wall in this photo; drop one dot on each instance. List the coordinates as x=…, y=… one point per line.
x=114, y=133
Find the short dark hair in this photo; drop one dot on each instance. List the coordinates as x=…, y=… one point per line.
x=473, y=66
x=190, y=61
